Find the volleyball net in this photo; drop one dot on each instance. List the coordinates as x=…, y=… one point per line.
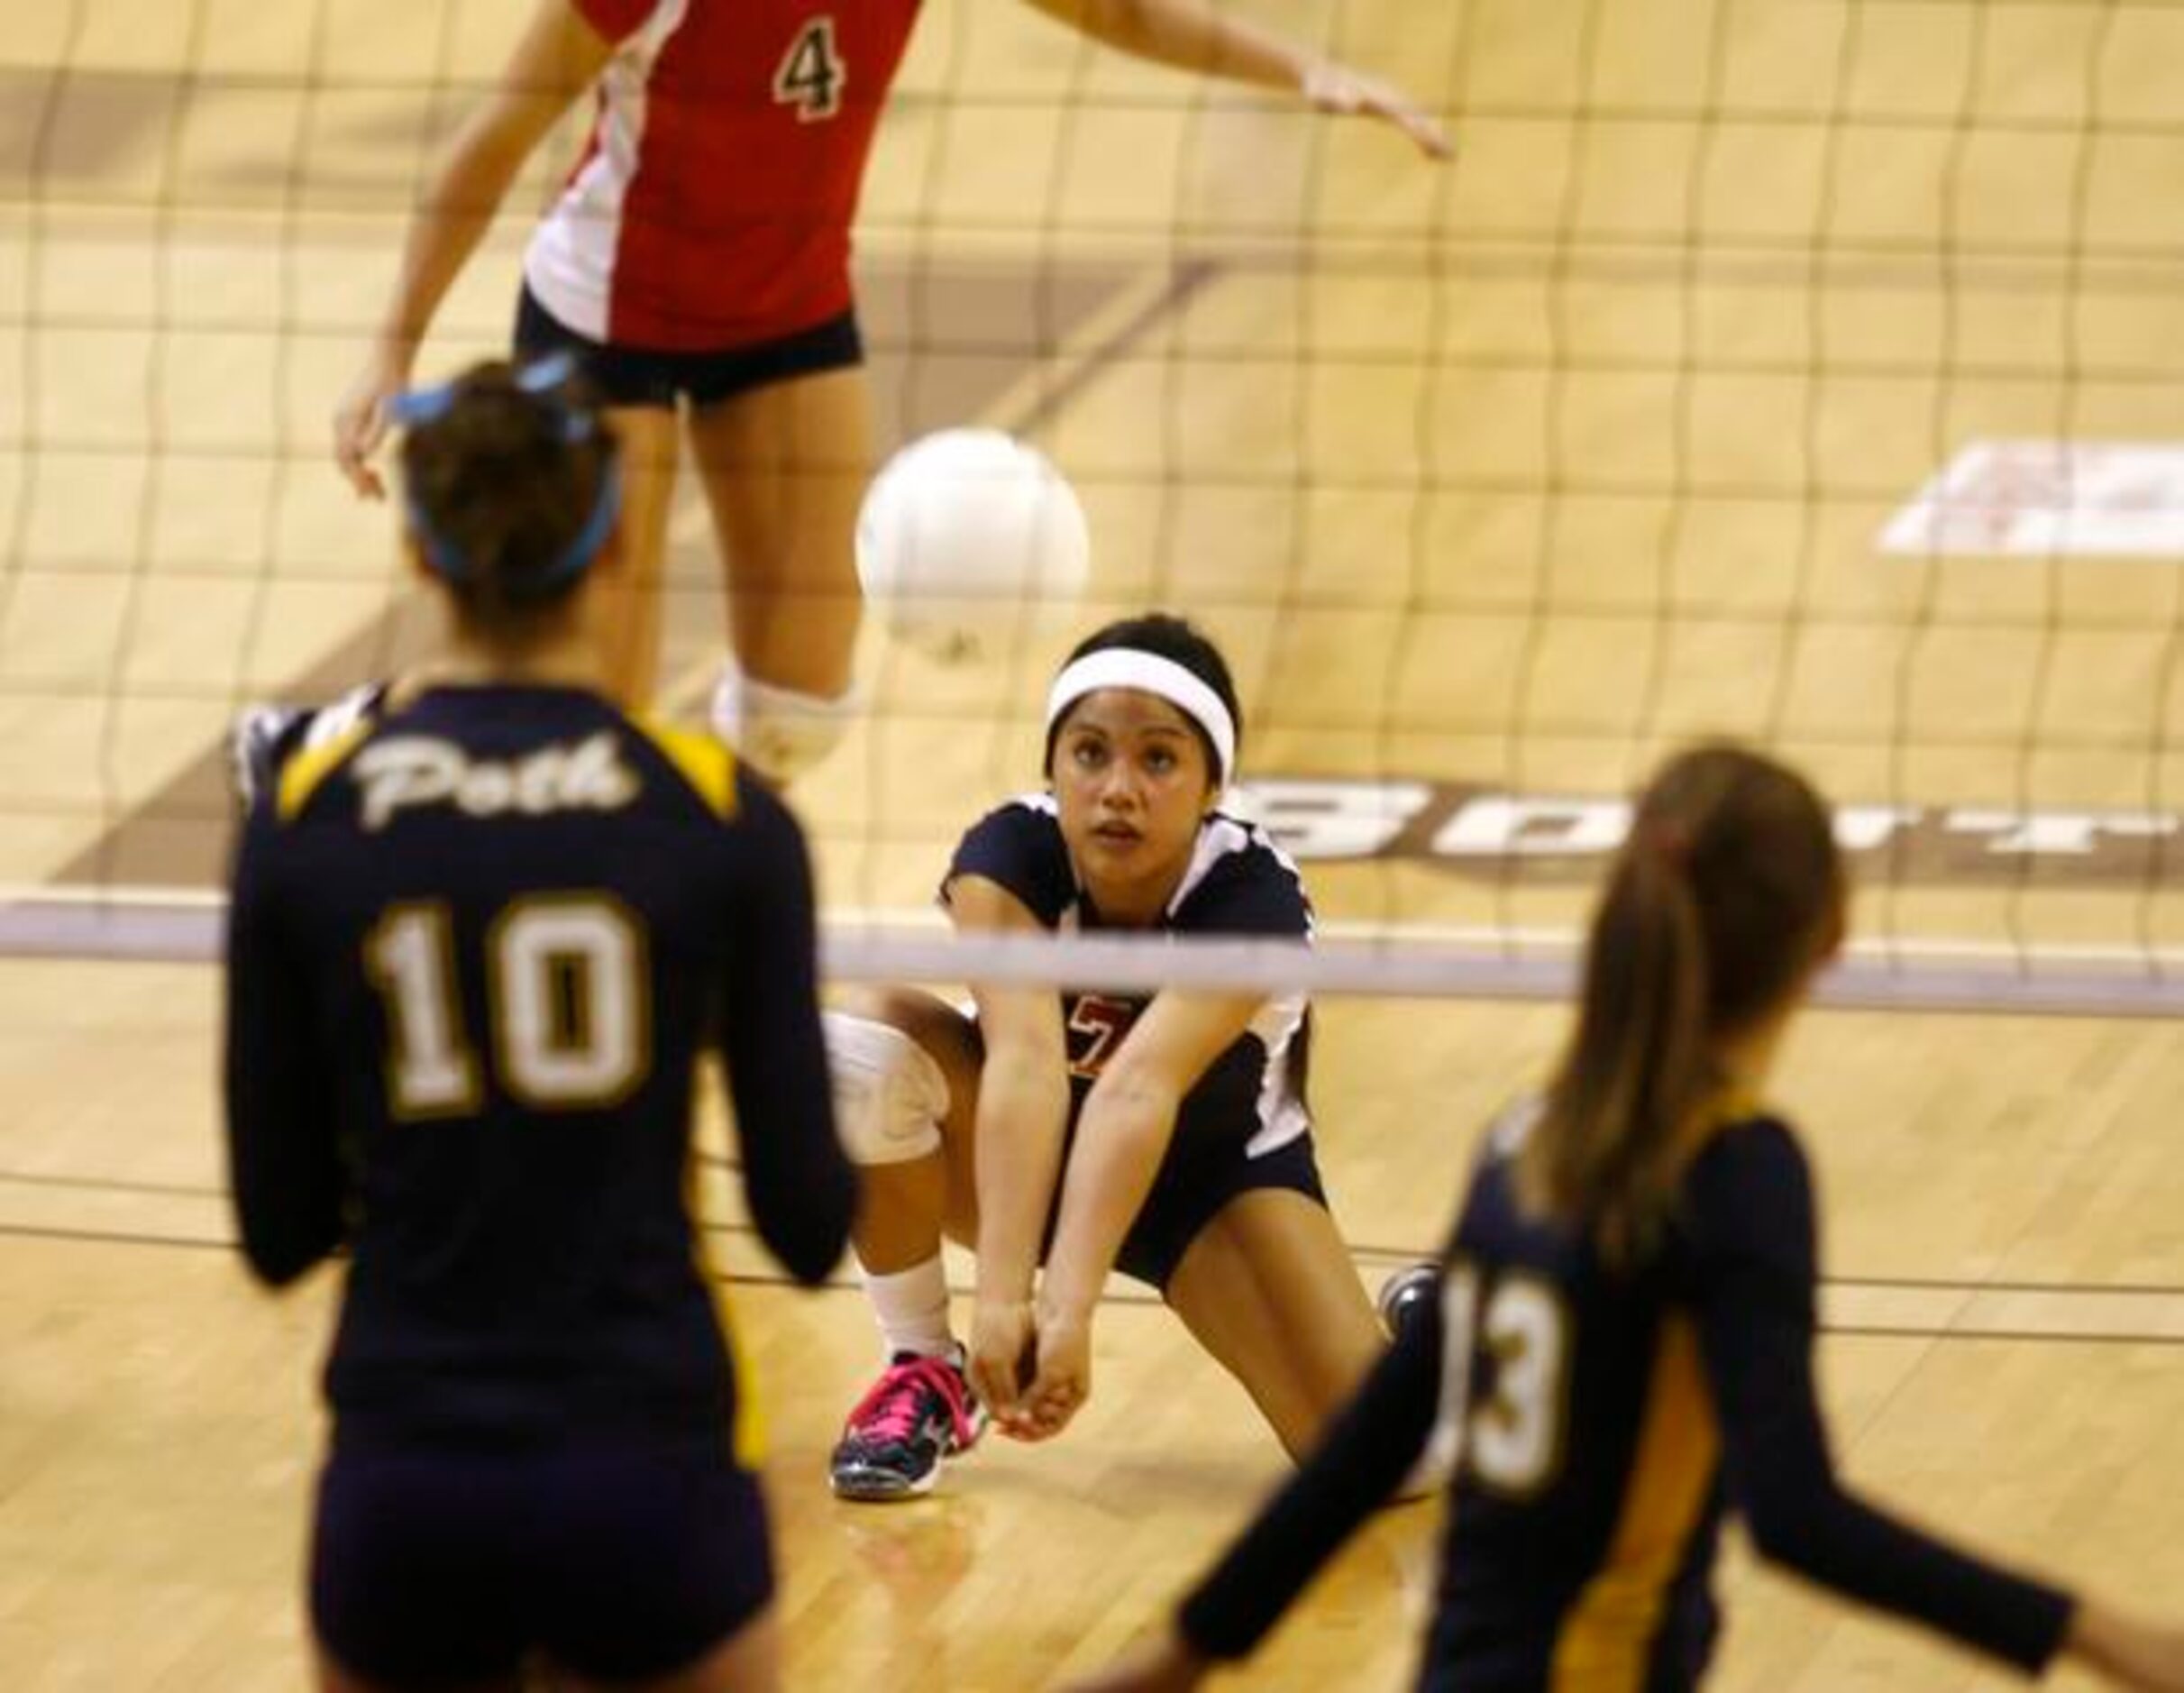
x=1807, y=374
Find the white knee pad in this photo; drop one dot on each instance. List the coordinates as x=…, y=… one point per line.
x=888, y=1095
x=777, y=731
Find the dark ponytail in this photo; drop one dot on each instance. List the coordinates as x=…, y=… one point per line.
x=1727, y=892
x=512, y=487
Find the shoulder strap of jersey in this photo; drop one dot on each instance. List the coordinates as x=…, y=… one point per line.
x=703, y=761
x=312, y=763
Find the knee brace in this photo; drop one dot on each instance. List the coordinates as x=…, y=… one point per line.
x=888, y=1095
x=777, y=731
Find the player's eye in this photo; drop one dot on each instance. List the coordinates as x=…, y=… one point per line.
x=1161, y=760
x=1088, y=753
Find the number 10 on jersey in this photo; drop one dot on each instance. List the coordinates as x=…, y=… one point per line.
x=566, y=999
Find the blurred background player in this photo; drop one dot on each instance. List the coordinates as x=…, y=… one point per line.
x=1622, y=1343
x=699, y=254
x=477, y=947
x=1166, y=1135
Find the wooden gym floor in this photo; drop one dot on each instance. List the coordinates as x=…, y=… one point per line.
x=1504, y=474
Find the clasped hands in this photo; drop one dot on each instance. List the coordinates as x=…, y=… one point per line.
x=1030, y=1364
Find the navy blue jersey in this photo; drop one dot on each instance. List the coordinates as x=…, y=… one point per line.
x=1239, y=883
x=1599, y=1424
x=476, y=949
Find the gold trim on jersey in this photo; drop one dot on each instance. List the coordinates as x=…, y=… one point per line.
x=747, y=1433
x=1609, y=1633
x=703, y=761
x=310, y=766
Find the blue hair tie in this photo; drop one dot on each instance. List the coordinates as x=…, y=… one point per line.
x=450, y=565
x=543, y=380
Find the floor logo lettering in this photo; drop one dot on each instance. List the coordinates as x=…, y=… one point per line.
x=1484, y=830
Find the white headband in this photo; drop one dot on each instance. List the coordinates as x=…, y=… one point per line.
x=1128, y=667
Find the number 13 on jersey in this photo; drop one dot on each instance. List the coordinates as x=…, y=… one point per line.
x=1508, y=1437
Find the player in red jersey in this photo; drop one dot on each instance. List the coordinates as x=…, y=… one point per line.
x=698, y=258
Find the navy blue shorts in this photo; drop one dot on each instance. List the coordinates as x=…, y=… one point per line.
x=432, y=1566
x=641, y=376
x=1200, y=1174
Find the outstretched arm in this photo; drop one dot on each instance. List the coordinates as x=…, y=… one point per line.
x=1023, y=1109
x=1758, y=1331
x=1751, y=1207
x=1193, y=37
x=560, y=54
x=1122, y=1136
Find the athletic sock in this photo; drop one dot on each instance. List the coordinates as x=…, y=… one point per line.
x=912, y=1307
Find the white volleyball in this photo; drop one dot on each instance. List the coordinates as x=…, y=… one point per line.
x=966, y=537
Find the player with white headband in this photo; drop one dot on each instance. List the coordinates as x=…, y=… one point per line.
x=1165, y=1136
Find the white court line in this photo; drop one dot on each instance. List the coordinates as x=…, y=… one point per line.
x=2046, y=499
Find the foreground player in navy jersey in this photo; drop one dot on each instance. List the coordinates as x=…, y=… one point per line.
x=1620, y=1349
x=480, y=938
x=1165, y=1136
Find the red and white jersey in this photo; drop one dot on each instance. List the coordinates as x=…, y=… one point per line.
x=712, y=206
